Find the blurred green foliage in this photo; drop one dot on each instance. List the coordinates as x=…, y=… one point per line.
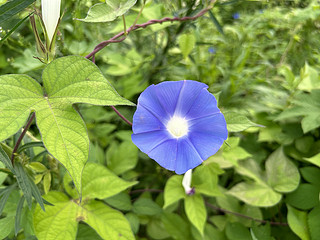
x=259, y=58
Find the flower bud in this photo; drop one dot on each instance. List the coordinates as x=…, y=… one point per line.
x=186, y=182
x=50, y=16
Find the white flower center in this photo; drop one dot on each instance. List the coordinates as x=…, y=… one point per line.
x=177, y=127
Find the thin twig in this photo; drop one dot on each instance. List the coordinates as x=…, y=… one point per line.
x=21, y=137
x=245, y=216
x=103, y=44
x=120, y=115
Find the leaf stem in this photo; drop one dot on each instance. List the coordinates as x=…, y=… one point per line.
x=120, y=115
x=139, y=14
x=124, y=25
x=21, y=137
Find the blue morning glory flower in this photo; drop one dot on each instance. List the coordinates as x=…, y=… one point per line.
x=236, y=15
x=212, y=50
x=178, y=124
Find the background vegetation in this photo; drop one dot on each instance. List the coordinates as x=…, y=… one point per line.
x=260, y=59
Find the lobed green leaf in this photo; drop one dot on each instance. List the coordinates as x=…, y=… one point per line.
x=66, y=80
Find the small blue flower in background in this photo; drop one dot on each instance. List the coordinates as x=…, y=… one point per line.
x=212, y=50
x=236, y=15
x=178, y=124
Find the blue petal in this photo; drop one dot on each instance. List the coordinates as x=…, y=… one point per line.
x=168, y=94
x=204, y=105
x=149, y=100
x=214, y=124
x=145, y=121
x=187, y=156
x=206, y=144
x=165, y=154
x=188, y=94
x=149, y=140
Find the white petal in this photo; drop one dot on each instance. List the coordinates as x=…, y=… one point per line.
x=50, y=15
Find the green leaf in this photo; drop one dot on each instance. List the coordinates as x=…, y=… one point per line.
x=145, y=206
x=14, y=28
x=297, y=221
x=85, y=232
x=120, y=201
x=29, y=145
x=64, y=216
x=262, y=232
x=305, y=197
x=282, y=174
x=99, y=182
x=205, y=179
x=304, y=144
x=306, y=105
x=173, y=190
x=18, y=216
x=83, y=82
x=6, y=225
x=6, y=160
x=38, y=167
x=106, y=12
x=309, y=79
x=187, y=43
x=47, y=182
x=313, y=223
x=11, y=8
x=66, y=80
x=27, y=186
x=314, y=160
x=311, y=175
x=108, y=223
x=134, y=221
x=233, y=153
x=216, y=22
x=251, y=169
x=156, y=229
x=4, y=194
x=236, y=231
x=123, y=158
x=176, y=226
x=196, y=211
x=237, y=122
x=58, y=222
x=255, y=194
x=24, y=183
x=18, y=95
x=3, y=175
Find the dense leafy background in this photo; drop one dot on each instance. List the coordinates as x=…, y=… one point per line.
x=260, y=59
